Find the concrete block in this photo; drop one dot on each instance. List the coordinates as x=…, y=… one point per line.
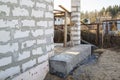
x=8, y=48
x=49, y=15
x=76, y=38
x=5, y=61
x=21, y=34
x=50, y=23
x=42, y=24
x=28, y=64
x=76, y=42
x=75, y=19
x=8, y=23
x=37, y=13
x=41, y=41
x=43, y=58
x=77, y=28
x=24, y=55
x=78, y=23
x=50, y=8
x=4, y=9
x=52, y=46
x=49, y=31
x=28, y=3
x=75, y=32
x=75, y=14
x=49, y=40
x=20, y=12
x=11, y=1
x=49, y=1
x=74, y=9
x=75, y=3
x=37, y=51
x=27, y=44
x=29, y=23
x=40, y=5
x=38, y=32
x=4, y=36
x=49, y=47
x=118, y=25
x=9, y=72
x=65, y=62
x=50, y=54
x=37, y=73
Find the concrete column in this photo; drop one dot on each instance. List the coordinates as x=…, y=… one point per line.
x=75, y=30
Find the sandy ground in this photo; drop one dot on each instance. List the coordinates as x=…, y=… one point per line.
x=107, y=67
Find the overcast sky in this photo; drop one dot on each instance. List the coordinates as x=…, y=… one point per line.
x=87, y=5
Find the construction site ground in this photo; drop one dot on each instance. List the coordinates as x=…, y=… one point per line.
x=105, y=66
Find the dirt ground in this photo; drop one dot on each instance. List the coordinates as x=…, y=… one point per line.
x=107, y=67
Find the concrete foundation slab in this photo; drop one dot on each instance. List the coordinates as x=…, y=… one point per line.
x=65, y=62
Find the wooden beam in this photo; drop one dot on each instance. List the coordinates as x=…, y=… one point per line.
x=65, y=31
x=64, y=8
x=61, y=30
x=59, y=15
x=58, y=10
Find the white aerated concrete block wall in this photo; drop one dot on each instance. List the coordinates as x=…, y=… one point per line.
x=26, y=39
x=76, y=29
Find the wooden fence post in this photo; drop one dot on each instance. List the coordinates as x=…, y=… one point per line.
x=98, y=35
